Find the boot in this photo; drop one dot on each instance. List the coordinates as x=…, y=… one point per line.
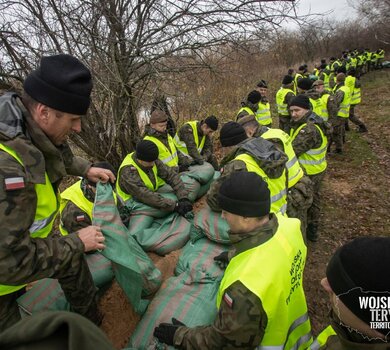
x=362, y=128
x=312, y=232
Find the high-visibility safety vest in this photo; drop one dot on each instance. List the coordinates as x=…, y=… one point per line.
x=45, y=212
x=345, y=104
x=263, y=114
x=324, y=109
x=129, y=161
x=282, y=105
x=350, y=82
x=245, y=109
x=279, y=286
x=316, y=105
x=294, y=170
x=322, y=338
x=314, y=160
x=296, y=78
x=167, y=155
x=75, y=195
x=326, y=80
x=277, y=187
x=181, y=146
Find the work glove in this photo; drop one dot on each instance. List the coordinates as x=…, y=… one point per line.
x=222, y=260
x=199, y=161
x=165, y=332
x=183, y=167
x=183, y=206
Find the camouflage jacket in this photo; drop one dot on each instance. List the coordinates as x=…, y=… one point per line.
x=338, y=96
x=251, y=106
x=163, y=137
x=271, y=160
x=186, y=135
x=240, y=325
x=130, y=182
x=24, y=259
x=74, y=218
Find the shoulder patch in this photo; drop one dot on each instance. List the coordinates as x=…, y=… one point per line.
x=14, y=183
x=302, y=131
x=228, y=299
x=80, y=218
x=132, y=168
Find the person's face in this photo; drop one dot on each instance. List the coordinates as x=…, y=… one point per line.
x=250, y=130
x=319, y=88
x=207, y=131
x=146, y=164
x=160, y=127
x=236, y=223
x=263, y=91
x=297, y=113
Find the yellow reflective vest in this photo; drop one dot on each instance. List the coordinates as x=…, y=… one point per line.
x=326, y=80
x=246, y=109
x=345, y=104
x=167, y=155
x=324, y=108
x=278, y=285
x=181, y=146
x=350, y=82
x=280, y=101
x=294, y=170
x=263, y=114
x=129, y=161
x=314, y=160
x=297, y=77
x=277, y=187
x=322, y=338
x=316, y=105
x=45, y=212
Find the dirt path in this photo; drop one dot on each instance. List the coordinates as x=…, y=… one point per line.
x=356, y=196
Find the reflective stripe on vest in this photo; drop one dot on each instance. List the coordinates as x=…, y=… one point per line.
x=322, y=338
x=181, y=146
x=280, y=97
x=281, y=293
x=295, y=171
x=324, y=110
x=167, y=156
x=350, y=82
x=246, y=109
x=263, y=114
x=345, y=103
x=314, y=160
x=277, y=186
x=129, y=161
x=45, y=212
x=316, y=105
x=326, y=80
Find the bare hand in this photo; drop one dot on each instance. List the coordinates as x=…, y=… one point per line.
x=95, y=174
x=92, y=237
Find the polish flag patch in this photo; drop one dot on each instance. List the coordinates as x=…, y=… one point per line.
x=80, y=218
x=14, y=183
x=228, y=300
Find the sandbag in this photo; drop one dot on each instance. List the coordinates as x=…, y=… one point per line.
x=138, y=208
x=46, y=294
x=192, y=303
x=204, y=188
x=201, y=173
x=133, y=269
x=212, y=225
x=138, y=223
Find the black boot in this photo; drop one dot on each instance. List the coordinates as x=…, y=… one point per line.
x=362, y=128
x=312, y=232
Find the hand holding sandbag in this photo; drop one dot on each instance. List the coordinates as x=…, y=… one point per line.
x=222, y=260
x=165, y=332
x=92, y=238
x=183, y=206
x=183, y=167
x=199, y=161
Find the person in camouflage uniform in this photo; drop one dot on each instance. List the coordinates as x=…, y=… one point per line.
x=250, y=105
x=283, y=98
x=34, y=157
x=268, y=158
x=327, y=98
x=141, y=174
x=309, y=134
x=204, y=128
x=246, y=319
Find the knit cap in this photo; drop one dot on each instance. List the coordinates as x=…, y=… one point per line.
x=254, y=97
x=158, y=116
x=232, y=134
x=301, y=101
x=305, y=84
x=147, y=151
x=212, y=122
x=287, y=79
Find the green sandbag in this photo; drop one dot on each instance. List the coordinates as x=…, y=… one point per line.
x=138, y=223
x=192, y=303
x=165, y=235
x=47, y=294
x=201, y=173
x=133, y=269
x=197, y=258
x=212, y=225
x=191, y=185
x=138, y=208
x=204, y=188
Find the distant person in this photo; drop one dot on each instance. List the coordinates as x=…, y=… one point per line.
x=250, y=105
x=283, y=98
x=263, y=113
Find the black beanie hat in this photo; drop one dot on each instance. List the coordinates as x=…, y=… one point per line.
x=104, y=165
x=301, y=101
x=147, y=151
x=359, y=269
x=61, y=82
x=254, y=97
x=212, y=122
x=232, y=134
x=262, y=84
x=288, y=79
x=246, y=194
x=305, y=84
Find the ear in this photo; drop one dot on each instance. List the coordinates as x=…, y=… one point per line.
x=41, y=113
x=325, y=284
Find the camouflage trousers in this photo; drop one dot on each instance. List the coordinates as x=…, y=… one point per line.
x=354, y=119
x=338, y=133
x=79, y=289
x=299, y=200
x=284, y=124
x=313, y=213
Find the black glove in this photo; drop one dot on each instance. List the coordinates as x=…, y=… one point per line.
x=199, y=161
x=222, y=260
x=165, y=332
x=183, y=167
x=183, y=206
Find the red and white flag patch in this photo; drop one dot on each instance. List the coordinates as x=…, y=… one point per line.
x=14, y=183
x=228, y=299
x=80, y=218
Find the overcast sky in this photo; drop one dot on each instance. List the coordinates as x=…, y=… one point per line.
x=342, y=10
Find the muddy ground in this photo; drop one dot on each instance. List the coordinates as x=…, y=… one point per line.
x=356, y=202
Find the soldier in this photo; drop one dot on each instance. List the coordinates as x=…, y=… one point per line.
x=142, y=174
x=328, y=106
x=265, y=309
x=250, y=106
x=253, y=155
x=309, y=140
x=300, y=187
x=34, y=157
x=283, y=98
x=263, y=113
x=194, y=141
x=354, y=276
